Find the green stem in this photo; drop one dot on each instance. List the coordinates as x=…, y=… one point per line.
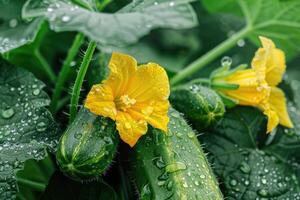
x=79, y=79
x=45, y=66
x=32, y=184
x=65, y=71
x=210, y=56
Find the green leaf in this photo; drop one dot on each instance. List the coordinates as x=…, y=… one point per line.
x=173, y=52
x=248, y=170
x=36, y=171
x=126, y=26
x=14, y=32
x=61, y=188
x=279, y=20
x=26, y=126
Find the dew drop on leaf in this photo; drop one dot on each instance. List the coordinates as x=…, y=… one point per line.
x=65, y=18
x=36, y=92
x=41, y=126
x=174, y=167
x=13, y=23
x=78, y=136
x=8, y=113
x=233, y=182
x=262, y=192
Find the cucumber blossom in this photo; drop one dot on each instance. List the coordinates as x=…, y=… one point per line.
x=87, y=147
x=172, y=165
x=201, y=105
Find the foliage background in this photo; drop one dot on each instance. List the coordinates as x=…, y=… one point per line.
x=173, y=49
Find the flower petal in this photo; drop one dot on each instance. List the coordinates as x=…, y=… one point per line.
x=278, y=104
x=100, y=101
x=273, y=119
x=270, y=60
x=149, y=83
x=130, y=130
x=155, y=113
x=251, y=91
x=122, y=68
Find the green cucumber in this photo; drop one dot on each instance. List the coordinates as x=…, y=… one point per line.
x=172, y=165
x=201, y=105
x=88, y=146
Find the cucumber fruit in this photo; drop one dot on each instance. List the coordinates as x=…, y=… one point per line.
x=201, y=105
x=88, y=146
x=172, y=165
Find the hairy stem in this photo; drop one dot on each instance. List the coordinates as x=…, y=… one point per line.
x=209, y=56
x=65, y=71
x=79, y=79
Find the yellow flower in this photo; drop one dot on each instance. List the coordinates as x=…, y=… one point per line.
x=257, y=86
x=132, y=96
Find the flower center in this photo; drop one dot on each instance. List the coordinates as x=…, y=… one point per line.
x=124, y=102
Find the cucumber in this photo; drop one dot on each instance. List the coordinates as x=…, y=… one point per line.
x=201, y=105
x=172, y=165
x=87, y=147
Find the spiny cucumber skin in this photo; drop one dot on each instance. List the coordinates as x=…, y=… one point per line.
x=88, y=146
x=172, y=165
x=201, y=105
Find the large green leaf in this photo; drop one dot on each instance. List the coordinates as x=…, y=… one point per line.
x=126, y=26
x=14, y=32
x=26, y=126
x=248, y=169
x=279, y=20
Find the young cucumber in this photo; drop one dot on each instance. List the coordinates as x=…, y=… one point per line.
x=172, y=165
x=201, y=105
x=88, y=146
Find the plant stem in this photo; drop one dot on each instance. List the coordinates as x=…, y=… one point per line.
x=79, y=79
x=45, y=66
x=32, y=184
x=65, y=71
x=210, y=56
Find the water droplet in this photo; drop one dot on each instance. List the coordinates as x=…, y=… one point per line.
x=191, y=134
x=233, y=182
x=49, y=9
x=36, y=92
x=264, y=181
x=185, y=185
x=202, y=176
x=155, y=3
x=175, y=167
x=78, y=136
x=159, y=163
x=241, y=42
x=164, y=176
x=41, y=126
x=146, y=192
x=247, y=182
x=171, y=3
x=262, y=192
x=175, y=114
x=161, y=183
x=226, y=61
x=73, y=63
x=65, y=18
x=245, y=168
x=8, y=113
x=13, y=23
